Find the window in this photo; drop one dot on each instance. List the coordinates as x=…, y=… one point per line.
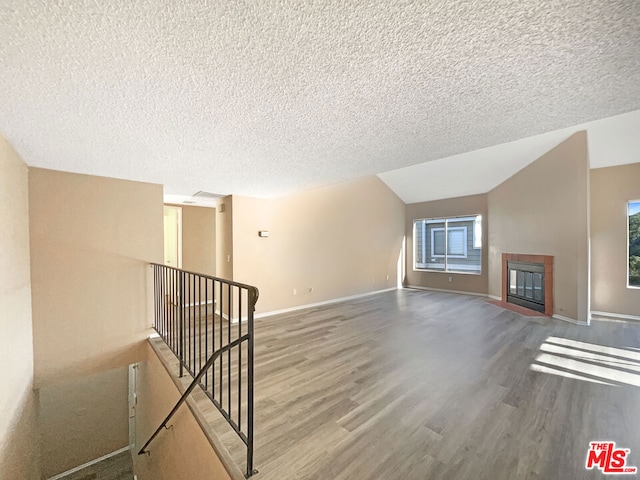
x=477, y=232
x=448, y=244
x=456, y=243
x=634, y=244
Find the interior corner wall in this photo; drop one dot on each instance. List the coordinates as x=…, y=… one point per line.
x=324, y=243
x=451, y=207
x=18, y=433
x=199, y=239
x=89, y=411
x=611, y=190
x=91, y=241
x=224, y=238
x=182, y=451
x=544, y=210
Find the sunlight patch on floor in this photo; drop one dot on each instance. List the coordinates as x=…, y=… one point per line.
x=553, y=371
x=588, y=362
x=593, y=357
x=620, y=352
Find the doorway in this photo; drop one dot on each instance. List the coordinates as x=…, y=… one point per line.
x=173, y=236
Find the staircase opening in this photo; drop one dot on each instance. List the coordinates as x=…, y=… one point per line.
x=207, y=322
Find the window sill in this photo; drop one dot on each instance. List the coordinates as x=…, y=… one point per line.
x=450, y=272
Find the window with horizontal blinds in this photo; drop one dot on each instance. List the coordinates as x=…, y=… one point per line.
x=448, y=244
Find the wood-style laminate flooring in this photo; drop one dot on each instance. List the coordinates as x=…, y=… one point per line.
x=430, y=385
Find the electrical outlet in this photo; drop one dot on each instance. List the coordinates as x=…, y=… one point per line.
x=450, y=279
x=387, y=277
x=295, y=291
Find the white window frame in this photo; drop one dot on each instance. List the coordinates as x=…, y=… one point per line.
x=424, y=244
x=477, y=232
x=443, y=267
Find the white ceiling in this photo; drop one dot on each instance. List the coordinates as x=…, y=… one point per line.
x=612, y=141
x=267, y=97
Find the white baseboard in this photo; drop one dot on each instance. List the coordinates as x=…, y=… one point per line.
x=619, y=316
x=194, y=304
x=200, y=303
x=319, y=304
x=447, y=291
x=232, y=319
x=495, y=297
x=88, y=464
x=570, y=320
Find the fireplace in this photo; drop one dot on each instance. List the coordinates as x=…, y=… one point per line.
x=528, y=281
x=526, y=284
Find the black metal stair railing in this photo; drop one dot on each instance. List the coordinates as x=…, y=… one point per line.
x=208, y=324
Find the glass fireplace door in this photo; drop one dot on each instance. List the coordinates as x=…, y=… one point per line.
x=526, y=285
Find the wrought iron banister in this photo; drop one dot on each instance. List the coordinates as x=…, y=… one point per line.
x=194, y=384
x=200, y=318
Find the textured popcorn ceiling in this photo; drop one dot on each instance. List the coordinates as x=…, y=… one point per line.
x=266, y=97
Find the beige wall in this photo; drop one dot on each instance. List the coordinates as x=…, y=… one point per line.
x=18, y=437
x=91, y=239
x=224, y=238
x=470, y=205
x=544, y=210
x=338, y=240
x=183, y=451
x=199, y=239
x=611, y=189
x=90, y=411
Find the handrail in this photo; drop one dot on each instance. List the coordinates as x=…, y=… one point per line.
x=194, y=384
x=196, y=314
x=211, y=277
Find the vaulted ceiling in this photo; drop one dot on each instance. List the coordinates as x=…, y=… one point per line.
x=267, y=97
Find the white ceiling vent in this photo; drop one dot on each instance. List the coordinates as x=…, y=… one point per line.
x=203, y=194
x=198, y=199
